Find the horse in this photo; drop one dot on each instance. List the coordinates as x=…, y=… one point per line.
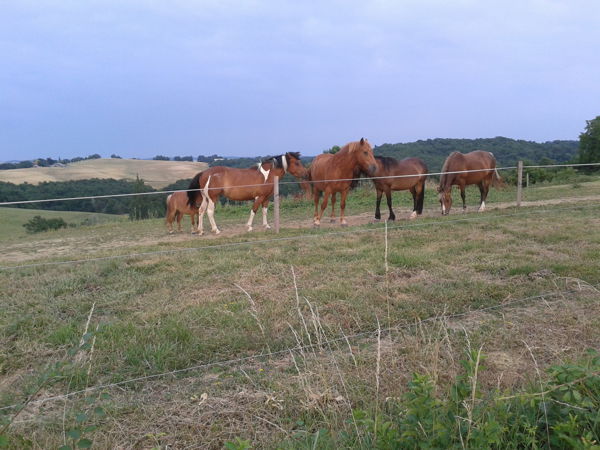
x=177, y=207
x=484, y=163
x=390, y=167
x=254, y=183
x=332, y=173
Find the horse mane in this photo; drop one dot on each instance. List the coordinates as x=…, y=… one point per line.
x=277, y=161
x=194, y=184
x=386, y=161
x=446, y=178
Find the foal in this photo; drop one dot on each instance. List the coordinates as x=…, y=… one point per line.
x=177, y=207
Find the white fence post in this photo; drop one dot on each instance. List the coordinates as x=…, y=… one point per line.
x=519, y=183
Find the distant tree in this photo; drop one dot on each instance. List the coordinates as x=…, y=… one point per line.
x=115, y=156
x=139, y=203
x=161, y=158
x=589, y=142
x=333, y=150
x=94, y=156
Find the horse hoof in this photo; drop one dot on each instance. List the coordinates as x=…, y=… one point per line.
x=377, y=220
x=216, y=231
x=267, y=227
x=332, y=220
x=413, y=215
x=392, y=219
x=344, y=224
x=250, y=229
x=171, y=232
x=316, y=225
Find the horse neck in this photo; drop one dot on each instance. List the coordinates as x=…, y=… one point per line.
x=345, y=161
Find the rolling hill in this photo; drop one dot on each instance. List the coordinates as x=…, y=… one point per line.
x=155, y=173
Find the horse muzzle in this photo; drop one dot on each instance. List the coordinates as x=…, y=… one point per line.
x=372, y=169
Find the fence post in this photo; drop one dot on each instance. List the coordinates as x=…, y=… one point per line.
x=519, y=182
x=276, y=203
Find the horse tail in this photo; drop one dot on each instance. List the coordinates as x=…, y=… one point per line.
x=497, y=180
x=193, y=194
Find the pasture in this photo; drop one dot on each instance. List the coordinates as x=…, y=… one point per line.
x=188, y=318
x=155, y=173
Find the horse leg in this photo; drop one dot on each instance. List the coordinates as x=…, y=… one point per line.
x=343, y=221
x=388, y=196
x=194, y=224
x=201, y=212
x=178, y=217
x=255, y=205
x=211, y=215
x=265, y=210
x=377, y=205
x=462, y=195
x=484, y=188
x=420, y=191
x=326, y=196
x=332, y=220
x=316, y=196
x=170, y=218
x=415, y=196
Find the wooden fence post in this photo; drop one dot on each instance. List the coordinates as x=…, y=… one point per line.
x=519, y=182
x=276, y=203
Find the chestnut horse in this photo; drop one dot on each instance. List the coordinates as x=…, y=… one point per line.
x=332, y=173
x=389, y=167
x=255, y=183
x=177, y=207
x=484, y=163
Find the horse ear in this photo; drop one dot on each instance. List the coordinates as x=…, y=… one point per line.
x=362, y=141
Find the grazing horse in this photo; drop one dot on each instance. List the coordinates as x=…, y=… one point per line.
x=254, y=183
x=484, y=163
x=389, y=167
x=177, y=207
x=332, y=173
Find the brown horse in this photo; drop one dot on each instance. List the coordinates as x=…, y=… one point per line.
x=177, y=207
x=332, y=173
x=389, y=167
x=486, y=174
x=255, y=183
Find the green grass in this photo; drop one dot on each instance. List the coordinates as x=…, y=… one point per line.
x=166, y=312
x=13, y=219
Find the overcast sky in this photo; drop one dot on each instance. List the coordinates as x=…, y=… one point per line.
x=141, y=78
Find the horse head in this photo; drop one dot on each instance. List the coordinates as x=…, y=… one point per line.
x=294, y=165
x=364, y=157
x=445, y=199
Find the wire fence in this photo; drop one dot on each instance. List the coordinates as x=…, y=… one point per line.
x=371, y=228
x=134, y=194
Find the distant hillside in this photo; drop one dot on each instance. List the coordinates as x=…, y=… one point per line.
x=155, y=173
x=507, y=151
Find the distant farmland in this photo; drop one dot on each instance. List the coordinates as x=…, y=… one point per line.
x=155, y=173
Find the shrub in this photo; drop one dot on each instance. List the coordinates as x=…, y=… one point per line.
x=38, y=224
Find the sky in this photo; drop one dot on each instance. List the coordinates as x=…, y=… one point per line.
x=243, y=78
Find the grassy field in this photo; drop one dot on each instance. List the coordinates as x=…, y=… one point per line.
x=13, y=219
x=155, y=173
x=191, y=301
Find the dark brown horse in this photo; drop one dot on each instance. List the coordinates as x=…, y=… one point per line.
x=332, y=173
x=255, y=183
x=389, y=167
x=485, y=174
x=177, y=207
